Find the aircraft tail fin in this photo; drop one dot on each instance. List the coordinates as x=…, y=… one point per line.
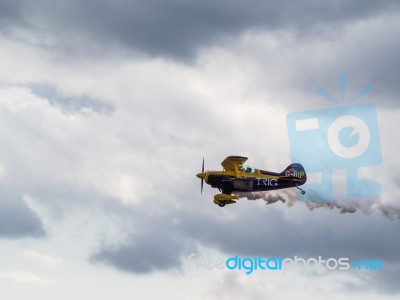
x=295, y=170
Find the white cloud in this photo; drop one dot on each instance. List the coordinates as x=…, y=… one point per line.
x=47, y=260
x=25, y=277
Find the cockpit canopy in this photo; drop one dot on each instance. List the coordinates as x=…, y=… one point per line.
x=250, y=169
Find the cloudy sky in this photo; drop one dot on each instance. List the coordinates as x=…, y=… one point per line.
x=108, y=107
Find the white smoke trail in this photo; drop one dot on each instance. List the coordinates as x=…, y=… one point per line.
x=286, y=196
x=290, y=197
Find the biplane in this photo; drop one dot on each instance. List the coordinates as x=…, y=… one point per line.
x=236, y=177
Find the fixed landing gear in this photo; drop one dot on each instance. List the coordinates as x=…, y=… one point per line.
x=222, y=199
x=303, y=192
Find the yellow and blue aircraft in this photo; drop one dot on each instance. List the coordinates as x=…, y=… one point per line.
x=238, y=178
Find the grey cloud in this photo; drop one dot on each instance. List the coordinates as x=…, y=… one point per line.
x=17, y=220
x=145, y=254
x=369, y=58
x=158, y=245
x=10, y=12
x=178, y=29
x=70, y=103
x=366, y=52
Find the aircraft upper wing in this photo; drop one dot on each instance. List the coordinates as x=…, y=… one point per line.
x=230, y=162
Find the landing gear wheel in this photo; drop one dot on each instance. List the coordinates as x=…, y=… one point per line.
x=302, y=191
x=221, y=204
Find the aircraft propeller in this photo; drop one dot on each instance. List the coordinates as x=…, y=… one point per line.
x=201, y=176
x=202, y=179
